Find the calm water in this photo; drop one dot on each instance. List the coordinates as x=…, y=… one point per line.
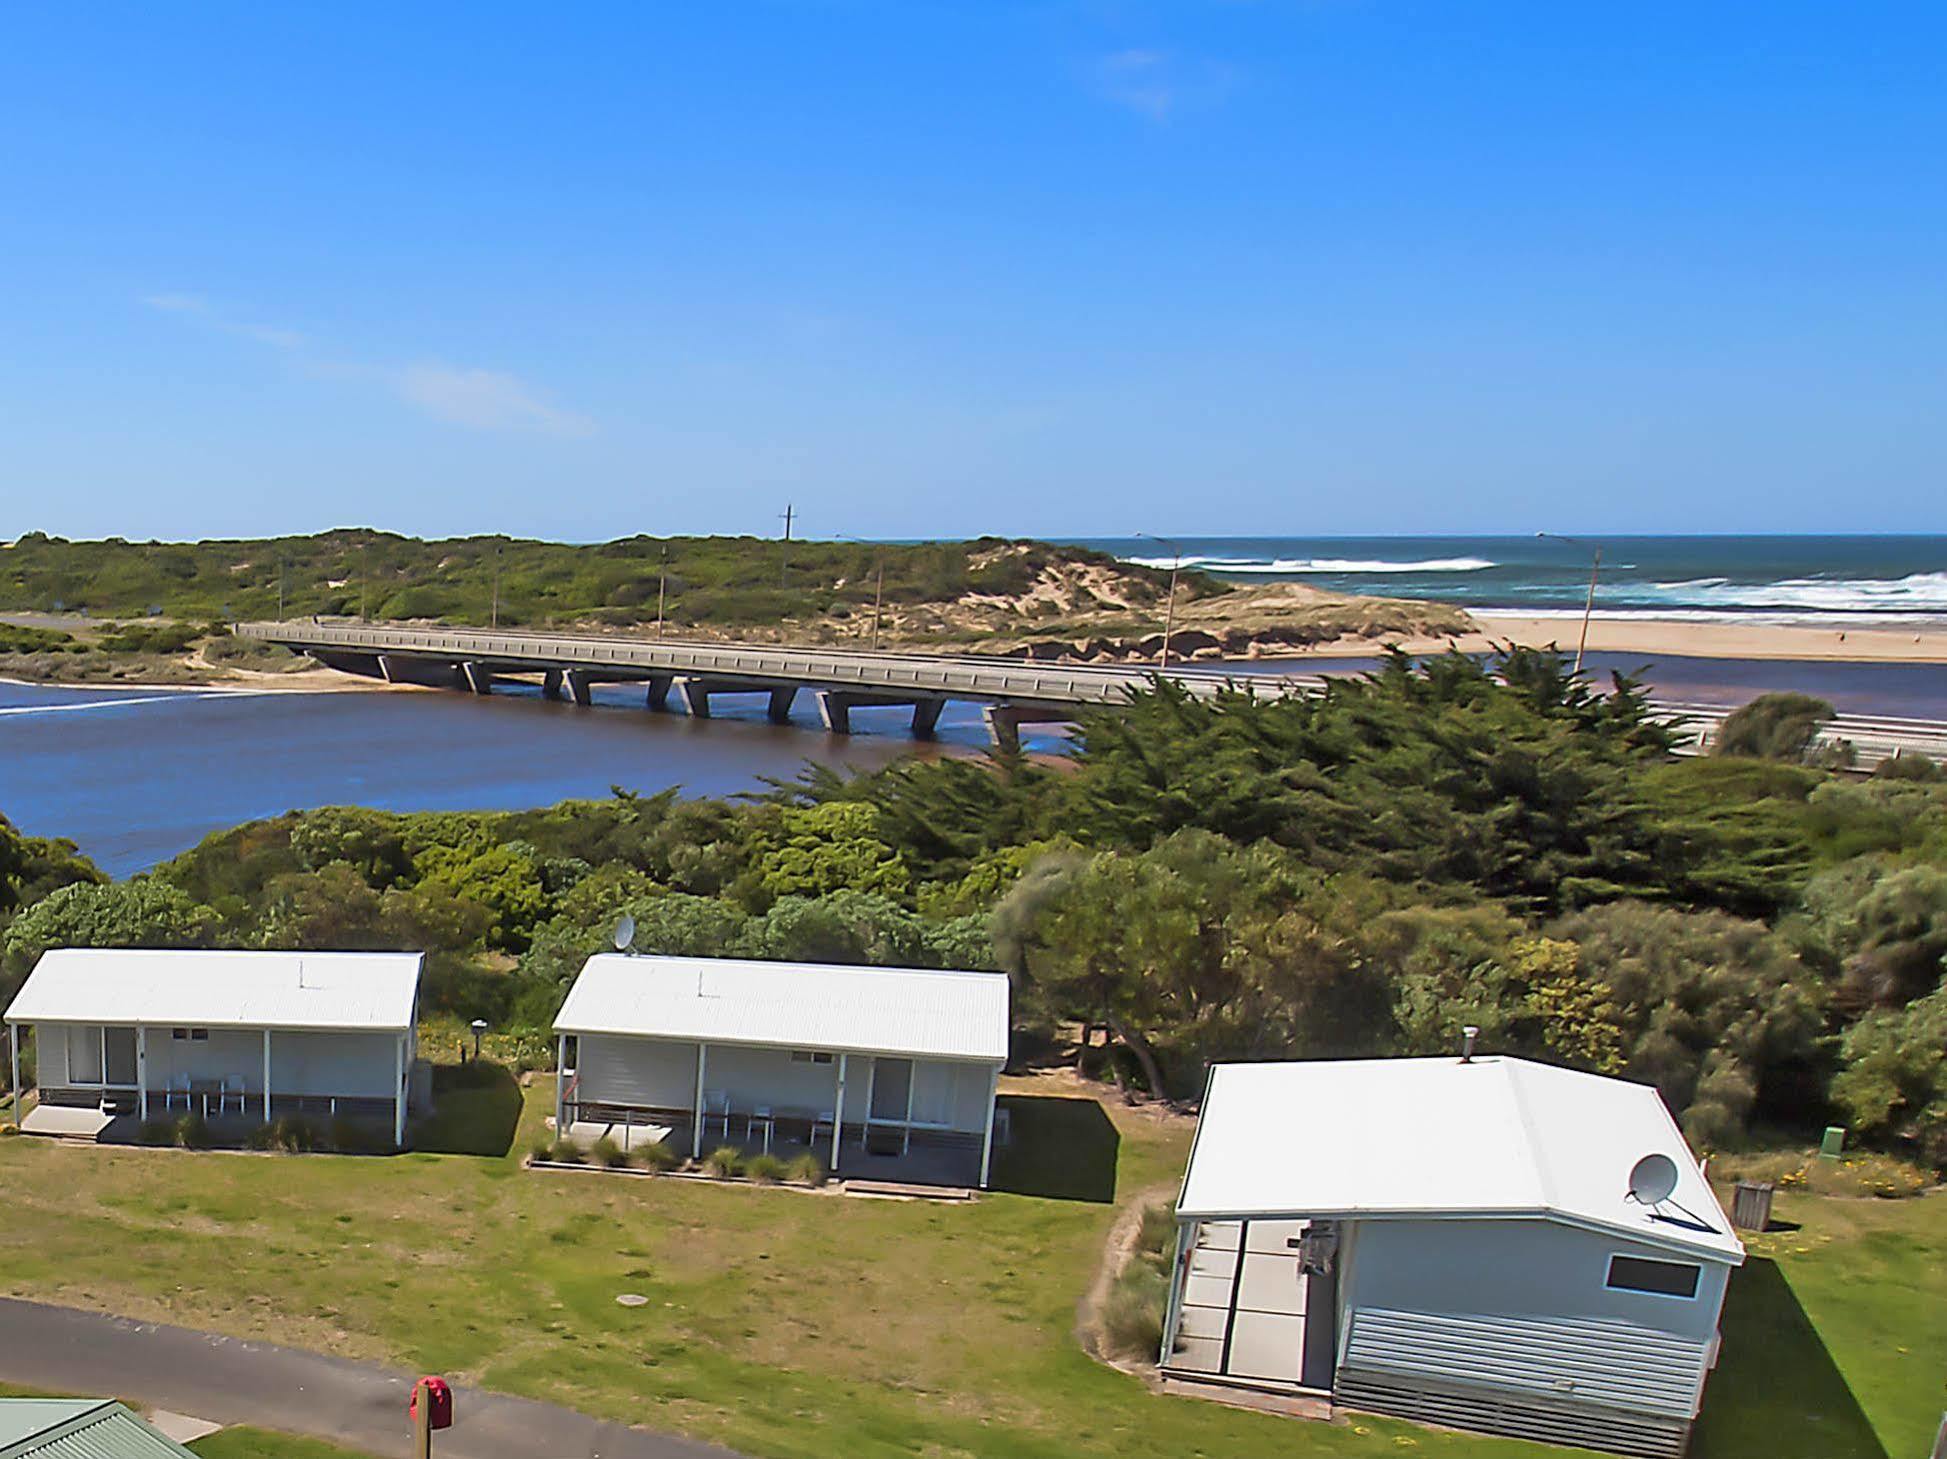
x=135, y=776
x=1837, y=579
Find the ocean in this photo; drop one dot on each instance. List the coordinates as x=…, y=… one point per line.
x=1861, y=581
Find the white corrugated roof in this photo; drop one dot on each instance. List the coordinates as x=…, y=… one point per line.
x=297, y=990
x=917, y=1012
x=1434, y=1137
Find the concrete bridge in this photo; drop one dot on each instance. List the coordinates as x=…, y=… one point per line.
x=1010, y=692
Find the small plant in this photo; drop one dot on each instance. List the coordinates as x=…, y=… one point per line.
x=1156, y=1236
x=1132, y=1317
x=293, y=1135
x=8, y=1128
x=807, y=1169
x=567, y=1152
x=192, y=1132
x=657, y=1155
x=724, y=1161
x=606, y=1152
x=765, y=1169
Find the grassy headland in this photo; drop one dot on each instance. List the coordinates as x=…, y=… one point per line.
x=72, y=603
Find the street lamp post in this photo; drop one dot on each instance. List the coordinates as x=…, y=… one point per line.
x=1169, y=610
x=878, y=586
x=1588, y=606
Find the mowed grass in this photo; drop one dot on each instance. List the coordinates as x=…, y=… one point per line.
x=787, y=1324
x=249, y=1443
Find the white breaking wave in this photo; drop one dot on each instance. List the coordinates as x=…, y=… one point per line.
x=1920, y=592
x=1289, y=565
x=130, y=702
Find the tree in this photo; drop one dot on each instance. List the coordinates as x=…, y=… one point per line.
x=818, y=849
x=1773, y=727
x=33, y=866
x=1894, y=1079
x=1709, y=1007
x=142, y=912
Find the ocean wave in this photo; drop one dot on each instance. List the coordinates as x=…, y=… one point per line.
x=1295, y=565
x=1920, y=592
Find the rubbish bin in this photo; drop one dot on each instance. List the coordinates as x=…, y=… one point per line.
x=1751, y=1205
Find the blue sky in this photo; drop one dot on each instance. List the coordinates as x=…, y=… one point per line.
x=940, y=269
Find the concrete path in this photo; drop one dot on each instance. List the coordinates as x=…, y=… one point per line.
x=359, y=1405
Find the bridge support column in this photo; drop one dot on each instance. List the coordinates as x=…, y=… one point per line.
x=657, y=695
x=926, y=717
x=478, y=679
x=780, y=706
x=1004, y=722
x=835, y=711
x=695, y=695
x=551, y=684
x=385, y=669
x=579, y=687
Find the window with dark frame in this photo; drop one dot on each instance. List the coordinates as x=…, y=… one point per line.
x=1660, y=1278
x=810, y=1056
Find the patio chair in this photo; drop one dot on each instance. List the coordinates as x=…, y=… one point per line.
x=231, y=1087
x=178, y=1085
x=821, y=1124
x=760, y=1115
x=716, y=1102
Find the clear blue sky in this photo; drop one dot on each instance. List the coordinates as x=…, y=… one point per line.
x=946, y=268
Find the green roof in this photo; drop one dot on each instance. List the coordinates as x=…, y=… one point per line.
x=79, y=1428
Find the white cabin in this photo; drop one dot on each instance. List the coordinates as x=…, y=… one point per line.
x=883, y=1071
x=1452, y=1241
x=243, y=1035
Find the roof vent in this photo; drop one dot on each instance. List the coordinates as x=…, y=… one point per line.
x=1467, y=1037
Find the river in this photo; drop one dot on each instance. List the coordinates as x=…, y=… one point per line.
x=134, y=776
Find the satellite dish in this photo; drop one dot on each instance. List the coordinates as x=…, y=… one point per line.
x=624, y=932
x=1652, y=1179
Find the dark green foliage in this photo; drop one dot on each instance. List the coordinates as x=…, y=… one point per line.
x=1773, y=727
x=33, y=866
x=724, y=581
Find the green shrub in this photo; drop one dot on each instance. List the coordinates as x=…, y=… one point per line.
x=606, y=1152
x=1909, y=766
x=1132, y=1317
x=765, y=1169
x=724, y=1161
x=657, y=1155
x=1773, y=727
x=563, y=1152
x=1863, y=1174
x=542, y=1148
x=191, y=1132
x=1156, y=1236
x=806, y=1169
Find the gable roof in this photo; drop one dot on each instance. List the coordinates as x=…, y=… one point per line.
x=79, y=1428
x=348, y=991
x=906, y=1012
x=1491, y=1137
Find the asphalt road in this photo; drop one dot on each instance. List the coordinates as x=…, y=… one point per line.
x=359, y=1405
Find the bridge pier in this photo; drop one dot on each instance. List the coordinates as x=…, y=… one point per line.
x=835, y=708
x=1004, y=722
x=657, y=695
x=551, y=684
x=478, y=679
x=580, y=687
x=695, y=691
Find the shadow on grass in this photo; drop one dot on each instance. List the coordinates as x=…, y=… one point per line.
x=476, y=1110
x=1776, y=1392
x=1061, y=1149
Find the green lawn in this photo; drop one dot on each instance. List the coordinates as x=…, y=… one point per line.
x=788, y=1324
x=248, y=1443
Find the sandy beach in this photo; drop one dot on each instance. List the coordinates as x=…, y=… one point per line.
x=1920, y=644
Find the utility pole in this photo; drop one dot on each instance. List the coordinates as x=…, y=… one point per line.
x=784, y=555
x=496, y=573
x=1169, y=611
x=1588, y=605
x=662, y=588
x=878, y=584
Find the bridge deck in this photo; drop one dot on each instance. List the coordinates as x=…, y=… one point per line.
x=1009, y=686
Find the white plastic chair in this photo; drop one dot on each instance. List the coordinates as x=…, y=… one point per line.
x=760, y=1115
x=716, y=1102
x=178, y=1084
x=232, y=1086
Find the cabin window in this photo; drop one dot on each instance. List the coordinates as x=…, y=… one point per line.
x=1662, y=1278
x=810, y=1056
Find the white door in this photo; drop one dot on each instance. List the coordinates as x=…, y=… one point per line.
x=1243, y=1309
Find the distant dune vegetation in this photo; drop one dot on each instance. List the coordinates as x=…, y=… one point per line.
x=71, y=602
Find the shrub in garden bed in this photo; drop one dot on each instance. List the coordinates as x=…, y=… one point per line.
x=807, y=1169
x=765, y=1169
x=724, y=1162
x=606, y=1152
x=657, y=1155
